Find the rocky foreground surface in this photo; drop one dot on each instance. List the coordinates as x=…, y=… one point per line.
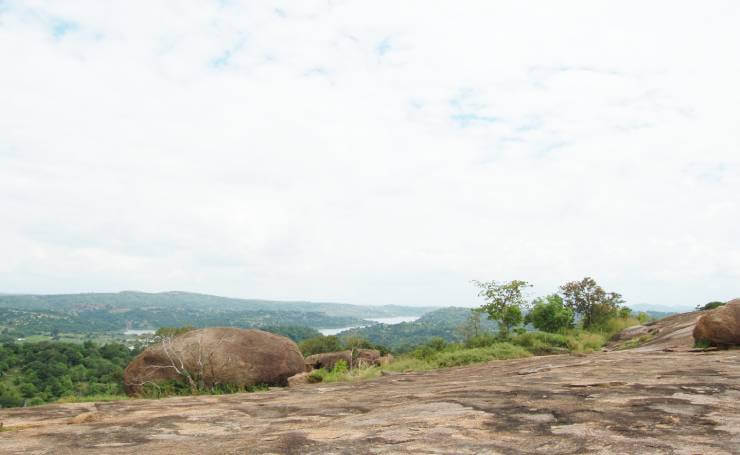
x=660, y=398
x=613, y=402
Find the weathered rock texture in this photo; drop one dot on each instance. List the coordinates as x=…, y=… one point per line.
x=621, y=402
x=217, y=356
x=366, y=357
x=672, y=333
x=721, y=326
x=328, y=359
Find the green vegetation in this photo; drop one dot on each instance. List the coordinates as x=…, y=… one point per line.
x=504, y=302
x=484, y=347
x=590, y=301
x=332, y=343
x=709, y=306
x=702, y=344
x=635, y=342
x=457, y=355
x=37, y=373
x=550, y=315
x=320, y=344
x=173, y=388
x=444, y=323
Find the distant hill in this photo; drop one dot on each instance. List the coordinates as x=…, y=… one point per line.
x=179, y=299
x=111, y=312
x=656, y=311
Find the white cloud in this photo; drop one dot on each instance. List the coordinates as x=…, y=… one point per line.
x=370, y=152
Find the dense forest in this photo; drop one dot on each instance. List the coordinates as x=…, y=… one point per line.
x=36, y=373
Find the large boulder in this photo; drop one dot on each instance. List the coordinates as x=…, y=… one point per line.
x=216, y=356
x=366, y=358
x=721, y=326
x=328, y=359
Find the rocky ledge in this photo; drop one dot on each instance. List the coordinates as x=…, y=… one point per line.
x=611, y=402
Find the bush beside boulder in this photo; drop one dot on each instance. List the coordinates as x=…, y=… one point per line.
x=720, y=326
x=216, y=357
x=327, y=360
x=356, y=358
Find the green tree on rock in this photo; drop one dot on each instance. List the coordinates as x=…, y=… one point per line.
x=504, y=302
x=589, y=300
x=471, y=327
x=549, y=314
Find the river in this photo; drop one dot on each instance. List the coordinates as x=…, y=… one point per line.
x=393, y=320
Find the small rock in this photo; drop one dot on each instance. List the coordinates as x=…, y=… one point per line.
x=85, y=417
x=298, y=379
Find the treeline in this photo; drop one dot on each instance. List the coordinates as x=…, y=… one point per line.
x=507, y=311
x=37, y=373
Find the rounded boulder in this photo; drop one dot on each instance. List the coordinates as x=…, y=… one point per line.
x=210, y=357
x=721, y=326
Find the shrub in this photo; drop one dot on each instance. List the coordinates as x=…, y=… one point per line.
x=635, y=342
x=550, y=315
x=429, y=349
x=611, y=326
x=643, y=317
x=408, y=363
x=498, y=351
x=583, y=341
x=319, y=345
x=361, y=343
x=540, y=343
x=339, y=372
x=702, y=344
x=709, y=306
x=171, y=332
x=482, y=340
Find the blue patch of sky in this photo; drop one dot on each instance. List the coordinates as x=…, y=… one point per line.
x=61, y=27
x=709, y=172
x=384, y=46
x=224, y=59
x=467, y=119
x=280, y=12
x=467, y=112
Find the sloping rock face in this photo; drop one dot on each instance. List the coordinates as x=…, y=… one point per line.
x=721, y=326
x=215, y=356
x=672, y=333
x=622, y=402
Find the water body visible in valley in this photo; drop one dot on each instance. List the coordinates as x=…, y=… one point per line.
x=393, y=320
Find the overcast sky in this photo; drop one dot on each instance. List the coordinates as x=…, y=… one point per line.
x=370, y=152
